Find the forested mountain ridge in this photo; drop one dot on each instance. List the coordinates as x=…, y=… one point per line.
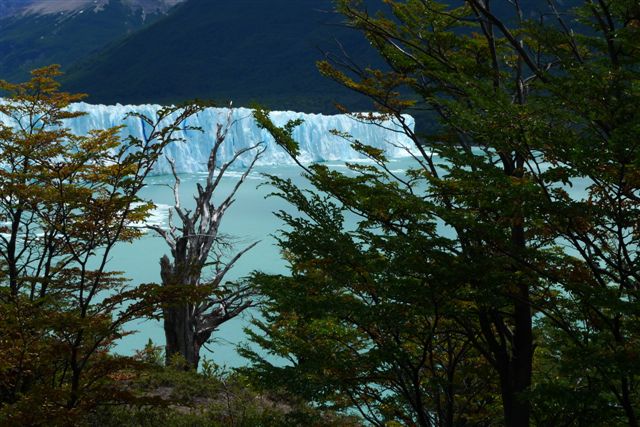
x=166, y=51
x=247, y=50
x=35, y=33
x=13, y=8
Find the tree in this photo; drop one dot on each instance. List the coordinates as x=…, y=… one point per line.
x=364, y=321
x=473, y=82
x=449, y=69
x=524, y=94
x=65, y=202
x=567, y=119
x=196, y=246
x=593, y=145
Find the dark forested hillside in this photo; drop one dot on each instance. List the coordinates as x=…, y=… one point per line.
x=240, y=50
x=140, y=51
x=35, y=33
x=9, y=7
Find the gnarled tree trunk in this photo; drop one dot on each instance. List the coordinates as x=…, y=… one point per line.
x=179, y=321
x=192, y=319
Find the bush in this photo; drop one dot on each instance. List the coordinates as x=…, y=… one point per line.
x=214, y=397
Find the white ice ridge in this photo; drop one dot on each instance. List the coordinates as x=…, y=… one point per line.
x=317, y=144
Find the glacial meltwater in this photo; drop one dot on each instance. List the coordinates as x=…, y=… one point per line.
x=251, y=217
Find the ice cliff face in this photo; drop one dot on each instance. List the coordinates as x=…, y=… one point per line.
x=317, y=144
x=314, y=136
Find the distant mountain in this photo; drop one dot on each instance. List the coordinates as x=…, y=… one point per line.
x=164, y=51
x=35, y=33
x=11, y=7
x=47, y=7
x=240, y=50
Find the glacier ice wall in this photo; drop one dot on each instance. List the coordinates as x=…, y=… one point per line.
x=317, y=144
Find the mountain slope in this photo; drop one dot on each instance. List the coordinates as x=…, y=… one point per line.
x=34, y=33
x=242, y=50
x=11, y=7
x=46, y=7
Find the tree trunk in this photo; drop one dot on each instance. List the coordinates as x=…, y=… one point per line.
x=179, y=335
x=516, y=411
x=513, y=364
x=179, y=322
x=513, y=352
x=515, y=379
x=517, y=375
x=188, y=326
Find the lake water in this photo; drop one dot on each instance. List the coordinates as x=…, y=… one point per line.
x=250, y=219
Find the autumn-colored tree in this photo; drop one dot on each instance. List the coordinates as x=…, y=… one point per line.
x=66, y=201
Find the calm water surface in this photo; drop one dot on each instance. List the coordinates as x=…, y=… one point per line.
x=250, y=219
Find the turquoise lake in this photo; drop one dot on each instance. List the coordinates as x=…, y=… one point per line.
x=250, y=219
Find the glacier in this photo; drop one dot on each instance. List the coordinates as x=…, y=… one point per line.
x=317, y=143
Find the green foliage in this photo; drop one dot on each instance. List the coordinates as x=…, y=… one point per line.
x=516, y=228
x=365, y=321
x=151, y=354
x=283, y=136
x=209, y=399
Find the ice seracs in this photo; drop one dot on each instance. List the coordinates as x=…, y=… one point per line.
x=317, y=143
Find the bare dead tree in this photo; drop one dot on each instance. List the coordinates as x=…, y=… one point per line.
x=198, y=248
